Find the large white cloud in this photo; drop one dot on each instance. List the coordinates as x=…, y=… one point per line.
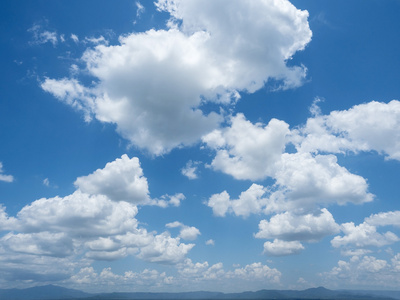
x=373, y=126
x=120, y=180
x=96, y=222
x=302, y=180
x=366, y=234
x=306, y=179
x=290, y=227
x=153, y=83
x=248, y=151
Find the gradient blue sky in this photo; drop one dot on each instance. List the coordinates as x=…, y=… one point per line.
x=199, y=145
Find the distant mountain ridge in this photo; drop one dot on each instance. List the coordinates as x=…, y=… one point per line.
x=52, y=292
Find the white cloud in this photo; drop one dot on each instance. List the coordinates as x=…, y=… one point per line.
x=165, y=250
x=372, y=126
x=190, y=169
x=152, y=84
x=384, y=219
x=249, y=201
x=253, y=275
x=248, y=151
x=72, y=93
x=366, y=271
x=186, y=232
x=303, y=183
x=96, y=222
x=41, y=36
x=256, y=271
x=139, y=9
x=46, y=182
x=291, y=227
x=363, y=235
x=101, y=40
x=3, y=177
x=281, y=248
x=210, y=242
x=75, y=38
x=306, y=180
x=120, y=180
x=6, y=222
x=220, y=203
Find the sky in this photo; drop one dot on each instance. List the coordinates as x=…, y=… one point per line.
x=178, y=145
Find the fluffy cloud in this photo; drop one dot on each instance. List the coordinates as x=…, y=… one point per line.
x=96, y=222
x=152, y=84
x=190, y=169
x=6, y=222
x=186, y=232
x=215, y=276
x=248, y=151
x=165, y=249
x=249, y=201
x=306, y=179
x=281, y=248
x=290, y=227
x=120, y=180
x=366, y=234
x=201, y=276
x=367, y=271
x=130, y=281
x=302, y=179
x=384, y=219
x=3, y=177
x=372, y=126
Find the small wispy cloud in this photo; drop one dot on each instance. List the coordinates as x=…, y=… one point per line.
x=190, y=170
x=3, y=177
x=210, y=242
x=140, y=9
x=42, y=36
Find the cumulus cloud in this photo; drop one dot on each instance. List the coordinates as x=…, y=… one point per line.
x=153, y=84
x=384, y=219
x=366, y=234
x=186, y=232
x=372, y=126
x=4, y=177
x=302, y=180
x=367, y=271
x=290, y=227
x=96, y=222
x=280, y=248
x=206, y=275
x=248, y=151
x=120, y=180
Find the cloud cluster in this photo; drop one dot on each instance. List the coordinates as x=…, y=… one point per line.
x=186, y=232
x=372, y=126
x=152, y=84
x=189, y=275
x=366, y=235
x=96, y=222
x=364, y=271
x=308, y=179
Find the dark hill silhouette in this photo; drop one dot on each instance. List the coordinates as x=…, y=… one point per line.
x=52, y=292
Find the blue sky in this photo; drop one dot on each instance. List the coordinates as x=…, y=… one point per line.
x=199, y=145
